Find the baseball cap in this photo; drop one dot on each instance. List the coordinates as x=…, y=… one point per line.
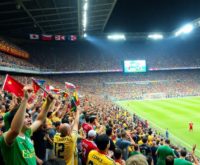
x=92, y=133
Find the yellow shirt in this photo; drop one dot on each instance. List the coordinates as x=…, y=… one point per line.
x=65, y=148
x=97, y=158
x=48, y=122
x=55, y=119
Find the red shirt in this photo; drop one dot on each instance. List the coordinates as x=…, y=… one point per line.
x=86, y=127
x=87, y=146
x=190, y=124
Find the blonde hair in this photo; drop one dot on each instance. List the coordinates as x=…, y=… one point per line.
x=138, y=159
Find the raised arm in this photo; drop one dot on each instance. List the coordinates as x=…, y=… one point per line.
x=196, y=162
x=18, y=120
x=42, y=115
x=76, y=119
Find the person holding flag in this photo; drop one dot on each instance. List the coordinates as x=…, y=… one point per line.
x=15, y=144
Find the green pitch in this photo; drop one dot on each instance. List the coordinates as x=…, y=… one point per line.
x=174, y=114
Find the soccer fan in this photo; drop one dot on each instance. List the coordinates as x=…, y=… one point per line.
x=118, y=157
x=123, y=144
x=100, y=156
x=136, y=150
x=145, y=149
x=138, y=159
x=65, y=141
x=86, y=126
x=182, y=161
x=169, y=160
x=191, y=126
x=15, y=144
x=167, y=134
x=88, y=145
x=109, y=134
x=164, y=151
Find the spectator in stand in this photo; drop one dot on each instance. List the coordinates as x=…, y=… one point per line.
x=164, y=151
x=123, y=144
x=182, y=161
x=16, y=145
x=136, y=150
x=145, y=149
x=169, y=160
x=65, y=141
x=100, y=156
x=109, y=134
x=138, y=159
x=118, y=157
x=88, y=145
x=87, y=126
x=39, y=143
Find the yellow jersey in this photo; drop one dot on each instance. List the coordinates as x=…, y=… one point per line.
x=65, y=148
x=97, y=158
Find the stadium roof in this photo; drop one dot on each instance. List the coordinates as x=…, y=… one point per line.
x=138, y=17
x=53, y=16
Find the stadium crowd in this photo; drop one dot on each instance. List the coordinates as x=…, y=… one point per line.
x=85, y=56
x=45, y=130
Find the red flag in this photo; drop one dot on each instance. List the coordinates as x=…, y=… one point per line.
x=13, y=86
x=56, y=90
x=36, y=87
x=59, y=37
x=69, y=85
x=47, y=89
x=73, y=38
x=46, y=37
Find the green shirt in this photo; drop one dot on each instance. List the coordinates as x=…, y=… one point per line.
x=5, y=118
x=179, y=161
x=163, y=152
x=21, y=152
x=134, y=153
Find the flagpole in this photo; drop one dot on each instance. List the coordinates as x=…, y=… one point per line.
x=4, y=81
x=42, y=88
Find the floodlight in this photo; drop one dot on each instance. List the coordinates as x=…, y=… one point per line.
x=116, y=37
x=155, y=36
x=84, y=35
x=184, y=30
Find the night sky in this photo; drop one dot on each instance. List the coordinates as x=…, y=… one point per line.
x=152, y=15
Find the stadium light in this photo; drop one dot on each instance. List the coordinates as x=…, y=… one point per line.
x=84, y=15
x=184, y=30
x=84, y=35
x=116, y=37
x=155, y=36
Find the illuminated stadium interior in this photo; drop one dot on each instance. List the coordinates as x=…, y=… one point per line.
x=124, y=73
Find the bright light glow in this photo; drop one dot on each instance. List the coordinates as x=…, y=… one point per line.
x=116, y=37
x=85, y=7
x=84, y=15
x=84, y=35
x=184, y=30
x=155, y=36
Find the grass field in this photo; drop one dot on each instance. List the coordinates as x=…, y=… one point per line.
x=174, y=114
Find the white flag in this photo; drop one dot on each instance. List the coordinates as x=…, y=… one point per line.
x=34, y=36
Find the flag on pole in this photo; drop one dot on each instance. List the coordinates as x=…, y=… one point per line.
x=59, y=37
x=69, y=85
x=76, y=99
x=72, y=37
x=40, y=82
x=46, y=37
x=13, y=86
x=56, y=90
x=34, y=36
x=36, y=86
x=74, y=102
